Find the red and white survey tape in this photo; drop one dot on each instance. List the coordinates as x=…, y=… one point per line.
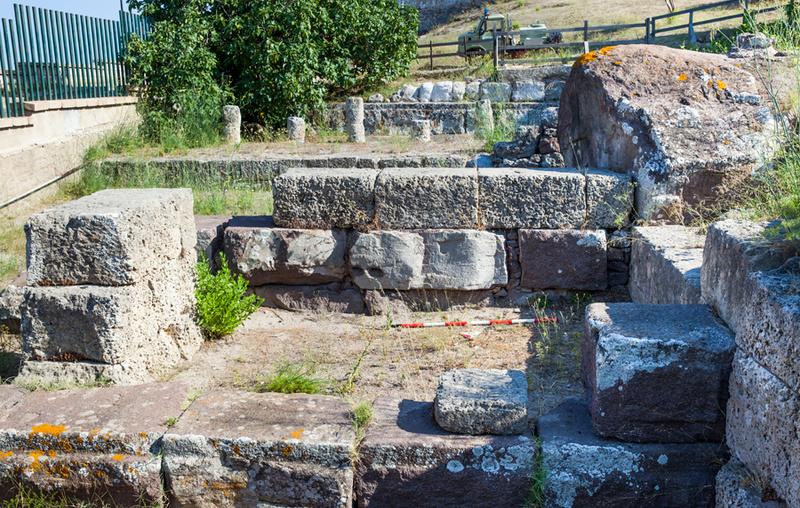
x=476, y=323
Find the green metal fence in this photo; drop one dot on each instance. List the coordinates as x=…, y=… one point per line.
x=48, y=55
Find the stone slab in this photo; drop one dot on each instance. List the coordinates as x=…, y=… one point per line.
x=656, y=373
x=324, y=298
x=737, y=487
x=609, y=199
x=665, y=265
x=10, y=395
x=323, y=198
x=404, y=303
x=387, y=260
x=531, y=198
x=210, y=234
x=406, y=460
x=463, y=260
x=563, y=259
x=242, y=449
x=265, y=254
x=47, y=373
x=586, y=470
x=409, y=198
x=113, y=237
x=762, y=426
x=482, y=401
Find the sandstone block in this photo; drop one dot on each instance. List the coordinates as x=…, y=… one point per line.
x=387, y=260
x=656, y=373
x=739, y=488
x=406, y=460
x=496, y=92
x=563, y=259
x=609, y=199
x=113, y=237
x=265, y=254
x=525, y=198
x=324, y=298
x=239, y=448
x=441, y=91
x=762, y=426
x=321, y=198
x=463, y=260
x=526, y=91
x=589, y=470
x=665, y=265
x=427, y=198
x=210, y=235
x=489, y=401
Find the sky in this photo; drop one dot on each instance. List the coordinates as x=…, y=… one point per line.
x=106, y=9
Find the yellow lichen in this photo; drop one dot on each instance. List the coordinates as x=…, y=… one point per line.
x=298, y=434
x=5, y=455
x=51, y=453
x=36, y=454
x=682, y=77
x=46, y=428
x=117, y=457
x=721, y=85
x=287, y=451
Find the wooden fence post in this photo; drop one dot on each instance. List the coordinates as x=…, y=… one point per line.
x=692, y=36
x=647, y=31
x=495, y=47
x=585, y=35
x=430, y=47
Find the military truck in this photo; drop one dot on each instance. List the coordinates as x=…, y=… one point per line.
x=482, y=39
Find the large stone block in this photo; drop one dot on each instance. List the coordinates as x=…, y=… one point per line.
x=496, y=92
x=489, y=401
x=113, y=237
x=404, y=303
x=665, y=265
x=463, y=260
x=609, y=199
x=324, y=298
x=563, y=259
x=586, y=470
x=256, y=449
x=408, y=198
x=323, y=198
x=442, y=91
x=387, y=260
x=95, y=444
x=406, y=460
x=737, y=487
x=210, y=235
x=656, y=373
x=762, y=426
x=525, y=198
x=265, y=254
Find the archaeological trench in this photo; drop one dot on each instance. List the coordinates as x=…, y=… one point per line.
x=692, y=388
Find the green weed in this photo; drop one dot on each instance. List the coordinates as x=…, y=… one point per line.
x=292, y=378
x=362, y=417
x=538, y=480
x=49, y=386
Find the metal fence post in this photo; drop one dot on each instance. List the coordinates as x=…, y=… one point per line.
x=585, y=35
x=647, y=31
x=495, y=47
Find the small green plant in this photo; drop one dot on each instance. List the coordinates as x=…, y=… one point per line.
x=171, y=421
x=292, y=378
x=362, y=417
x=538, y=480
x=581, y=298
x=538, y=9
x=520, y=3
x=516, y=26
x=221, y=302
x=50, y=386
x=193, y=394
x=494, y=130
x=354, y=373
x=539, y=301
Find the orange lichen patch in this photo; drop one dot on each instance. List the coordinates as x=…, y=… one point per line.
x=117, y=457
x=46, y=428
x=64, y=445
x=79, y=440
x=682, y=77
x=61, y=470
x=5, y=455
x=606, y=50
x=36, y=466
x=298, y=434
x=139, y=452
x=36, y=454
x=51, y=453
x=721, y=85
x=617, y=63
x=143, y=435
x=585, y=58
x=287, y=451
x=95, y=431
x=237, y=450
x=100, y=474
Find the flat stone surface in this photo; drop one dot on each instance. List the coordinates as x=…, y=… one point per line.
x=113, y=237
x=762, y=426
x=265, y=254
x=408, y=198
x=587, y=470
x=404, y=303
x=496, y=92
x=323, y=198
x=482, y=401
x=210, y=233
x=407, y=460
x=242, y=448
x=737, y=487
x=656, y=373
x=387, y=260
x=609, y=199
x=528, y=198
x=524, y=91
x=665, y=265
x=463, y=260
x=323, y=298
x=10, y=395
x=563, y=259
x=82, y=373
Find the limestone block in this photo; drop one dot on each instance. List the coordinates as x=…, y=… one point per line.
x=441, y=91
x=526, y=91
x=525, y=198
x=425, y=91
x=463, y=260
x=354, y=119
x=210, y=234
x=588, y=470
x=387, y=260
x=375, y=98
x=322, y=198
x=296, y=129
x=609, y=199
x=472, y=90
x=739, y=488
x=408, y=92
x=113, y=237
x=265, y=254
x=232, y=120
x=656, y=373
x=94, y=444
x=762, y=426
x=245, y=449
x=406, y=460
x=665, y=265
x=427, y=198
x=550, y=117
x=563, y=259
x=148, y=325
x=421, y=130
x=496, y=92
x=489, y=401
x=323, y=298
x=458, y=91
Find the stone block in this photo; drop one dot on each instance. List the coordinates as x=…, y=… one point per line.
x=762, y=426
x=322, y=198
x=424, y=92
x=609, y=199
x=324, y=298
x=406, y=460
x=113, y=237
x=472, y=90
x=737, y=487
x=665, y=265
x=210, y=234
x=526, y=91
x=656, y=373
x=525, y=143
x=404, y=303
x=463, y=260
x=10, y=301
x=354, y=120
x=10, y=395
x=387, y=260
x=525, y=198
x=427, y=198
x=254, y=449
x=488, y=401
x=93, y=443
x=232, y=124
x=563, y=259
x=296, y=127
x=82, y=373
x=550, y=117
x=441, y=91
x=458, y=91
x=265, y=254
x=588, y=470
x=496, y=92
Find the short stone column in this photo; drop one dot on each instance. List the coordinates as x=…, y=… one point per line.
x=232, y=118
x=485, y=116
x=296, y=128
x=421, y=130
x=354, y=120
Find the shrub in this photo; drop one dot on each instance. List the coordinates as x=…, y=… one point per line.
x=221, y=303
